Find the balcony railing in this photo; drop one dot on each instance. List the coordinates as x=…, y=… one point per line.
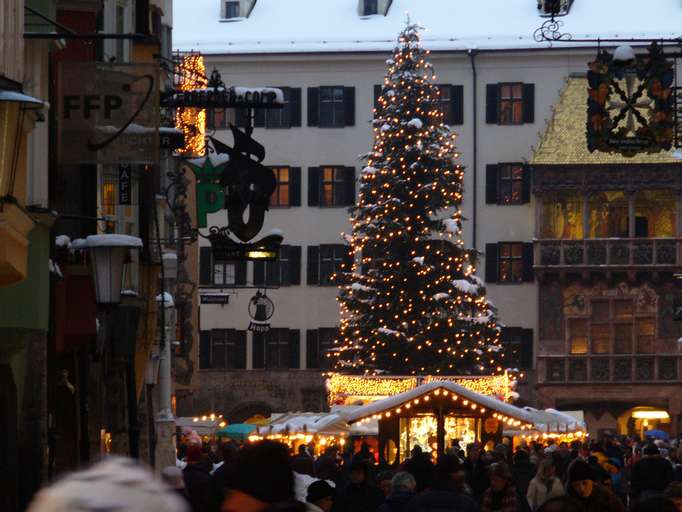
x=644, y=368
x=608, y=252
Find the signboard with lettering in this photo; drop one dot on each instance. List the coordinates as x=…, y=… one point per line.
x=225, y=97
x=215, y=298
x=107, y=113
x=124, y=184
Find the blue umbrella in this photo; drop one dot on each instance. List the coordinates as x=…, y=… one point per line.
x=656, y=434
x=239, y=431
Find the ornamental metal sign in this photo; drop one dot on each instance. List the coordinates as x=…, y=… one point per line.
x=222, y=97
x=107, y=113
x=630, y=106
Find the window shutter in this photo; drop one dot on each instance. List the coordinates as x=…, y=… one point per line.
x=239, y=117
x=313, y=106
x=377, y=95
x=205, y=273
x=457, y=103
x=349, y=105
x=295, y=264
x=259, y=120
x=294, y=348
x=313, y=264
x=312, y=354
x=272, y=270
x=204, y=349
x=526, y=351
x=491, y=184
x=240, y=273
x=525, y=193
x=491, y=103
x=286, y=111
x=528, y=103
x=240, y=349
x=491, y=262
x=258, y=350
x=295, y=107
x=349, y=184
x=528, y=274
x=294, y=186
x=258, y=273
x=314, y=186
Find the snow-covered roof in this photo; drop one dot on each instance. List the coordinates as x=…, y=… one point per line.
x=381, y=406
x=295, y=26
x=109, y=241
x=308, y=422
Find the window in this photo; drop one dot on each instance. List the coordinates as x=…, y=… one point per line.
x=331, y=186
x=222, y=348
x=507, y=184
x=333, y=182
x=278, y=348
x=281, y=196
x=452, y=103
x=511, y=263
x=224, y=274
x=286, y=117
x=217, y=118
x=220, y=273
x=370, y=7
x=510, y=103
x=109, y=195
x=518, y=345
x=577, y=336
x=319, y=343
x=285, y=271
x=231, y=10
x=562, y=216
x=646, y=330
x=331, y=106
x=655, y=214
x=326, y=260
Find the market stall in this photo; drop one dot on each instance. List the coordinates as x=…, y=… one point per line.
x=561, y=426
x=434, y=415
x=205, y=426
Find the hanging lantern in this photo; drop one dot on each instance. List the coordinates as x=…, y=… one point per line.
x=261, y=309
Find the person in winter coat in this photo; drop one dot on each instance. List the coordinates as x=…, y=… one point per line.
x=586, y=493
x=447, y=492
x=197, y=480
x=651, y=475
x=476, y=471
x=522, y=471
x=403, y=486
x=544, y=486
x=303, y=463
x=359, y=495
x=501, y=496
x=420, y=467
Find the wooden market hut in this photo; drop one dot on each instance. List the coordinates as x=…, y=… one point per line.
x=435, y=414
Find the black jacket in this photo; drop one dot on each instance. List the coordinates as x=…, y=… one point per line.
x=601, y=500
x=443, y=497
x=477, y=477
x=396, y=502
x=359, y=498
x=198, y=486
x=651, y=474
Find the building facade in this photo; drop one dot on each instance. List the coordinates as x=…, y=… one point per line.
x=498, y=97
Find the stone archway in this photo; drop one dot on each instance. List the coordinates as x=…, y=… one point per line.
x=243, y=412
x=628, y=423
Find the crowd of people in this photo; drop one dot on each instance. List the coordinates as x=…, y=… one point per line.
x=612, y=475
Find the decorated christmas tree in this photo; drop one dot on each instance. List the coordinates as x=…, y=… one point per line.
x=411, y=304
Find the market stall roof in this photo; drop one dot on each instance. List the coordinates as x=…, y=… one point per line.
x=505, y=410
x=202, y=427
x=306, y=422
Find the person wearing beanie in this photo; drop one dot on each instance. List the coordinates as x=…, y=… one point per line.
x=320, y=497
x=359, y=495
x=115, y=483
x=447, y=492
x=651, y=474
x=588, y=495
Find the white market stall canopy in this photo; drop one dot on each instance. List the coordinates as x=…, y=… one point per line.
x=507, y=413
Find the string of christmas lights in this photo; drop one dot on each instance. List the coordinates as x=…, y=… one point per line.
x=411, y=304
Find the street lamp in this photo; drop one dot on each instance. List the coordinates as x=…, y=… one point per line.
x=13, y=108
x=107, y=256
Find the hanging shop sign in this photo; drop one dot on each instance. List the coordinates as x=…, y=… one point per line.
x=124, y=184
x=630, y=107
x=215, y=298
x=261, y=309
x=107, y=113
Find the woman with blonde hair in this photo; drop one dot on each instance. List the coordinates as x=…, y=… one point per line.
x=544, y=485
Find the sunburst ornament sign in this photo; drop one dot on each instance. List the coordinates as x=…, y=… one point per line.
x=630, y=105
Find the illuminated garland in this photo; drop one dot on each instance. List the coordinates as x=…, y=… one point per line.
x=192, y=121
x=411, y=303
x=349, y=389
